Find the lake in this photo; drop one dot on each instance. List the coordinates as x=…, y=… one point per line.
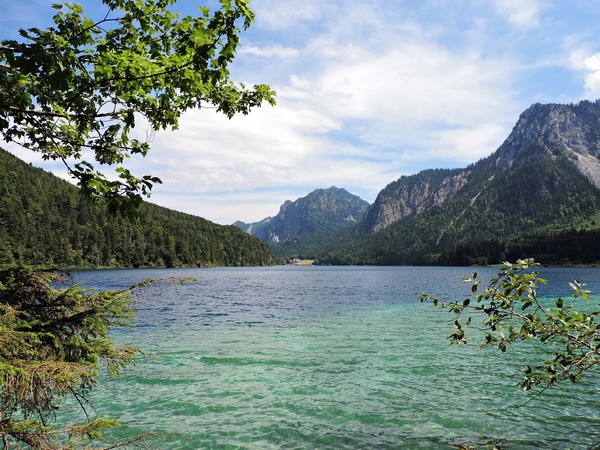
x=329, y=357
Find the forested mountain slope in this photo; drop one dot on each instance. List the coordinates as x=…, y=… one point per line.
x=45, y=221
x=321, y=211
x=537, y=195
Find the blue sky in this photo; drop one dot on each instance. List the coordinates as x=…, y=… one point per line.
x=367, y=91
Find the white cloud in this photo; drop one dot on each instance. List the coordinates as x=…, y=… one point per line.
x=589, y=64
x=276, y=51
x=402, y=96
x=282, y=14
x=264, y=148
x=521, y=13
x=592, y=79
x=367, y=91
x=468, y=144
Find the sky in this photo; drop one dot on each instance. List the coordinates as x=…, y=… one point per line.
x=367, y=91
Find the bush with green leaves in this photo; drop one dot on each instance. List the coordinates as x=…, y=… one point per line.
x=509, y=311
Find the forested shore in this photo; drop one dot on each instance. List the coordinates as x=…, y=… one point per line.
x=45, y=221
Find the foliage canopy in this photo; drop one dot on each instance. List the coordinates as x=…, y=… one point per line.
x=75, y=91
x=44, y=221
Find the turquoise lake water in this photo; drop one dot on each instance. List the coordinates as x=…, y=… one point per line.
x=329, y=358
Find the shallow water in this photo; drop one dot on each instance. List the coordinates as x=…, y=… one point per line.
x=328, y=357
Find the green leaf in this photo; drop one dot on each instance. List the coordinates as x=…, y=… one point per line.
x=84, y=82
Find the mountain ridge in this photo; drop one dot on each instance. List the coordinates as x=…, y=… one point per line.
x=538, y=194
x=551, y=130
x=321, y=210
x=571, y=129
x=541, y=183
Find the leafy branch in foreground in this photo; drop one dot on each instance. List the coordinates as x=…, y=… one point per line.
x=53, y=344
x=75, y=91
x=511, y=312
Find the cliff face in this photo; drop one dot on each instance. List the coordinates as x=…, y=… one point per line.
x=322, y=210
x=412, y=195
x=568, y=130
x=543, y=132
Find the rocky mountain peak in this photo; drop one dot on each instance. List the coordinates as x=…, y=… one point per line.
x=284, y=206
x=411, y=195
x=321, y=210
x=566, y=131
x=569, y=130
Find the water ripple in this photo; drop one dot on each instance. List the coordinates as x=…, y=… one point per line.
x=344, y=358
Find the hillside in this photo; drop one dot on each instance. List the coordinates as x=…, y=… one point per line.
x=537, y=195
x=45, y=221
x=322, y=211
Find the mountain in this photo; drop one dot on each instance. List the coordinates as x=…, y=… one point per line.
x=323, y=210
x=537, y=195
x=412, y=195
x=45, y=221
x=543, y=132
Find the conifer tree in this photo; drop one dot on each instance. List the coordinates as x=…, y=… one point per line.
x=52, y=344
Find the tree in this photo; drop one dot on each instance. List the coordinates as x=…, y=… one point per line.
x=76, y=90
x=53, y=343
x=511, y=312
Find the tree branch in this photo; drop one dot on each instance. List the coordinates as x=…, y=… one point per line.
x=42, y=113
